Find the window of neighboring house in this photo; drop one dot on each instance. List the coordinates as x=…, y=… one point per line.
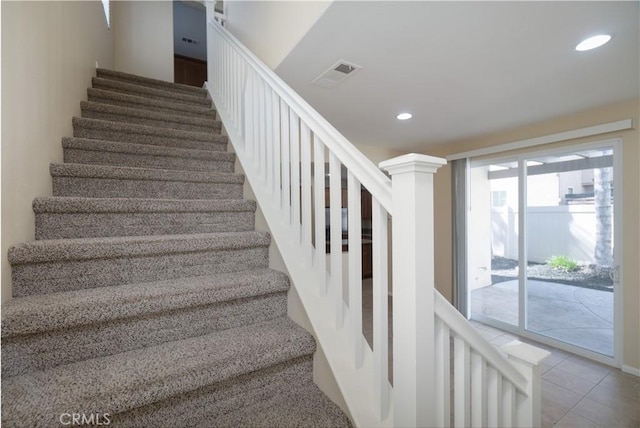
x=498, y=198
x=105, y=6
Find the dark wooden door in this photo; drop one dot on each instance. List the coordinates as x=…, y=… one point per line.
x=189, y=71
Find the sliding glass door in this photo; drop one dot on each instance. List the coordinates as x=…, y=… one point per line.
x=541, y=253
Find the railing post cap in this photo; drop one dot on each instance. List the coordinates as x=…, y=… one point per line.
x=525, y=352
x=412, y=162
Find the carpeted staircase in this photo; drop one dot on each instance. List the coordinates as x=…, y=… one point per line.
x=146, y=299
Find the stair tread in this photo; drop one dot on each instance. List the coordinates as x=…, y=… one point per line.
x=145, y=91
x=70, y=204
x=120, y=324
x=129, y=246
x=207, y=122
x=142, y=102
x=148, y=130
x=113, y=74
x=132, y=173
x=301, y=406
x=55, y=311
x=124, y=381
x=144, y=149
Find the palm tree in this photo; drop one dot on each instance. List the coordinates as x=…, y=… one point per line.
x=602, y=185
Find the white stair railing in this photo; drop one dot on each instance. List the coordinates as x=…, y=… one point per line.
x=284, y=145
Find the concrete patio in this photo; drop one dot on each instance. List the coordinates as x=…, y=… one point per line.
x=579, y=316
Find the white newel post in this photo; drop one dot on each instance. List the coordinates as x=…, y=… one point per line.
x=413, y=285
x=527, y=359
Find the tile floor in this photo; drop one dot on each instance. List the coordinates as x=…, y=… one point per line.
x=576, y=392
x=580, y=393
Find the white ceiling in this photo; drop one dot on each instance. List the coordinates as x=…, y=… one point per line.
x=463, y=68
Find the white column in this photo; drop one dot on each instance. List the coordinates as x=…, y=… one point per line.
x=527, y=359
x=413, y=285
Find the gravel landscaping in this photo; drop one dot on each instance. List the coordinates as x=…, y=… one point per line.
x=587, y=276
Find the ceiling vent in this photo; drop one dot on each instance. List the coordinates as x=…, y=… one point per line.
x=336, y=74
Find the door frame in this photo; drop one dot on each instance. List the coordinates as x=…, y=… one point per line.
x=618, y=237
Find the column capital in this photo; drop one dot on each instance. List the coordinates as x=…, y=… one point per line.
x=412, y=162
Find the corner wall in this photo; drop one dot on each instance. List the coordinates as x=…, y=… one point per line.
x=271, y=29
x=630, y=202
x=49, y=54
x=143, y=38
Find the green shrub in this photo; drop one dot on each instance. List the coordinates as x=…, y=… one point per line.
x=563, y=263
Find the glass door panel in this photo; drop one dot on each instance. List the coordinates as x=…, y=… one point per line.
x=569, y=248
x=492, y=243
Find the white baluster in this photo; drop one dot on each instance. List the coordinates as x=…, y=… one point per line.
x=319, y=203
x=232, y=87
x=294, y=136
x=478, y=391
x=248, y=115
x=305, y=179
x=462, y=383
x=335, y=219
x=494, y=397
x=508, y=404
x=443, y=374
x=269, y=138
x=240, y=106
x=262, y=130
x=354, y=233
x=255, y=149
x=225, y=75
x=277, y=165
x=284, y=150
x=380, y=261
x=413, y=279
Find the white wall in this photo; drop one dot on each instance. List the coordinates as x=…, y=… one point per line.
x=49, y=54
x=271, y=29
x=479, y=232
x=143, y=38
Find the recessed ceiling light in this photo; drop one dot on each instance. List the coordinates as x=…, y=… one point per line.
x=404, y=116
x=593, y=42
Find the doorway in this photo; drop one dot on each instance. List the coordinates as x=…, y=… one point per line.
x=189, y=43
x=543, y=246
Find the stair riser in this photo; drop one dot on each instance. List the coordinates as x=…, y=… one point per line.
x=156, y=106
x=45, y=350
x=90, y=187
x=145, y=161
x=151, y=93
x=137, y=80
x=206, y=406
x=93, y=225
x=51, y=277
x=214, y=128
x=128, y=137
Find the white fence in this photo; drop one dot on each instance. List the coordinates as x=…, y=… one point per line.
x=563, y=230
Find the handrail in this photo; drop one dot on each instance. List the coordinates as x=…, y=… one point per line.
x=282, y=144
x=450, y=316
x=370, y=176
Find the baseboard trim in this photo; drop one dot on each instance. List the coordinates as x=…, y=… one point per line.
x=631, y=370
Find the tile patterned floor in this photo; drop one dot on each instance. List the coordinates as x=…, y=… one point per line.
x=580, y=393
